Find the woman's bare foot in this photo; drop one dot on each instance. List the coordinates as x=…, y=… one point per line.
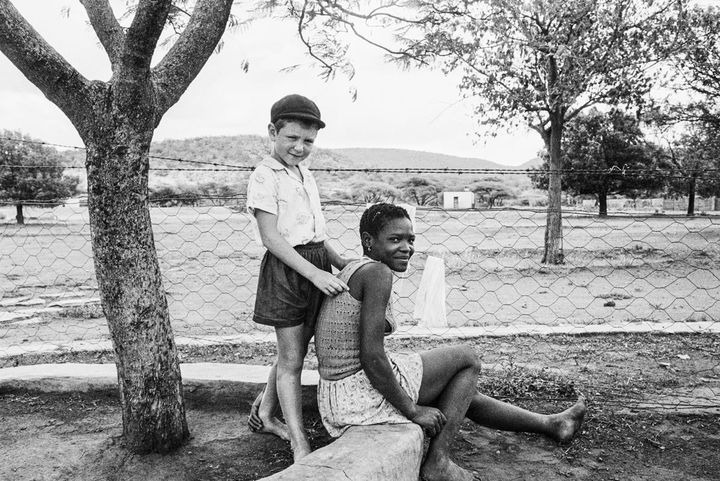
x=567, y=423
x=445, y=470
x=266, y=424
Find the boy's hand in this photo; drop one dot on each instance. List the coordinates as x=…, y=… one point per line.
x=430, y=419
x=328, y=283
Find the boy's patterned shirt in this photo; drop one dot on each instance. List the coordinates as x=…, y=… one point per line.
x=296, y=203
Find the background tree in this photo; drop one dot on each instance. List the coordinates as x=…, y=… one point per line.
x=116, y=120
x=374, y=191
x=694, y=161
x=492, y=190
x=537, y=63
x=697, y=67
x=31, y=173
x=606, y=154
x=542, y=63
x=420, y=190
x=689, y=120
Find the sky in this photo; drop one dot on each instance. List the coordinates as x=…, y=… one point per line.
x=409, y=109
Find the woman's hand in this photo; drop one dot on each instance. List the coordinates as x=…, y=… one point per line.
x=429, y=418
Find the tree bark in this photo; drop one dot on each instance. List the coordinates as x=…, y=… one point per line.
x=131, y=289
x=116, y=121
x=19, y=217
x=553, y=230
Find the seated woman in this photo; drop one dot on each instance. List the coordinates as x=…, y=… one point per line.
x=361, y=384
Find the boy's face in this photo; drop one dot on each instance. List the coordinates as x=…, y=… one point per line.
x=292, y=143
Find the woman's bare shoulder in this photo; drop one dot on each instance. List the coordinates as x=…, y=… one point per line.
x=374, y=270
x=371, y=274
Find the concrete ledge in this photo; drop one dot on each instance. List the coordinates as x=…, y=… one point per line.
x=80, y=377
x=209, y=382
x=364, y=453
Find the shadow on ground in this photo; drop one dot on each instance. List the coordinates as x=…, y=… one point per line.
x=77, y=437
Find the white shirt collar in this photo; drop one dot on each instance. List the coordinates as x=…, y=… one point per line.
x=275, y=164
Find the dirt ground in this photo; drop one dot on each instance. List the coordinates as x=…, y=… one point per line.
x=654, y=414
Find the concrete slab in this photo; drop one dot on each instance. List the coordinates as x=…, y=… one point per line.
x=363, y=453
x=85, y=377
x=542, y=329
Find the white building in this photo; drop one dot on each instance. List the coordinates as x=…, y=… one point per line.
x=458, y=200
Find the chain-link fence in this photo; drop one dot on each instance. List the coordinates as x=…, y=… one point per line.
x=627, y=273
x=660, y=272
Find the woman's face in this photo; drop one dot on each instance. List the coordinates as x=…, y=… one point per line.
x=394, y=244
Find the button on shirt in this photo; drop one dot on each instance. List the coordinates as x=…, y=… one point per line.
x=296, y=203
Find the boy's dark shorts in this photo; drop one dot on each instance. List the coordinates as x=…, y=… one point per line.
x=284, y=297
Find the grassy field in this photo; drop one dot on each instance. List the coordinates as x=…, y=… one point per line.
x=618, y=270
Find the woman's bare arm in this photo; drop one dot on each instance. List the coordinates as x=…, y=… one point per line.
x=375, y=286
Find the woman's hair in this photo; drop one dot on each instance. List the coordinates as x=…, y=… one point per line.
x=378, y=216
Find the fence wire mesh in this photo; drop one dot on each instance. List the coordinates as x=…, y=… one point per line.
x=643, y=275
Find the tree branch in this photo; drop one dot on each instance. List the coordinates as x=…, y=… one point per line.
x=43, y=65
x=187, y=57
x=106, y=27
x=375, y=13
x=142, y=36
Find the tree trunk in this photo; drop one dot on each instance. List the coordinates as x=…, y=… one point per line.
x=116, y=120
x=19, y=217
x=553, y=229
x=692, y=183
x=602, y=200
x=131, y=289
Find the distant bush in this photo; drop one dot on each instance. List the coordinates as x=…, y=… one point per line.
x=170, y=196
x=170, y=192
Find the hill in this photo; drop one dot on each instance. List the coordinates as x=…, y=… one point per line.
x=402, y=158
x=247, y=150
x=534, y=163
x=191, y=157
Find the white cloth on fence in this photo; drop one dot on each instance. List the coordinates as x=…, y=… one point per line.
x=411, y=209
x=430, y=300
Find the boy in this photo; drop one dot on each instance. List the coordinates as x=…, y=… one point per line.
x=295, y=272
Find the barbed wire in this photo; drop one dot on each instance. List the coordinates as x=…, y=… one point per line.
x=152, y=199
x=706, y=173
x=36, y=166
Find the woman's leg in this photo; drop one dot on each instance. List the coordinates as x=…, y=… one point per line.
x=448, y=383
x=292, y=347
x=495, y=414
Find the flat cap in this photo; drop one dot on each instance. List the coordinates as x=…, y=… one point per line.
x=296, y=106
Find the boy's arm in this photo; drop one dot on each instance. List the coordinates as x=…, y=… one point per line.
x=338, y=261
x=275, y=243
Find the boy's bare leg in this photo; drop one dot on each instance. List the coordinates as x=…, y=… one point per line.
x=263, y=412
x=495, y=414
x=292, y=347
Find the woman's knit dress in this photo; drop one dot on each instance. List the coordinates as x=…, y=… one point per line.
x=345, y=395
